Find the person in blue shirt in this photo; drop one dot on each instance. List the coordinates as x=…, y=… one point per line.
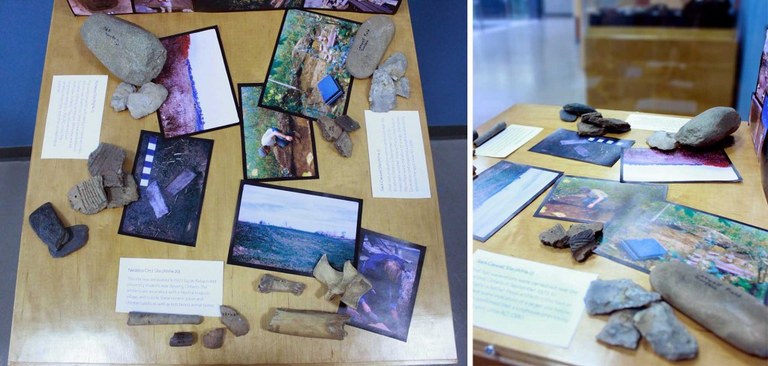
x=273, y=137
x=379, y=306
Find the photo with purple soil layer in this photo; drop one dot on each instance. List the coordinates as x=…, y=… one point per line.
x=651, y=165
x=200, y=93
x=393, y=267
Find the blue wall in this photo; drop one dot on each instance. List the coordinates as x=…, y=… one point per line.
x=753, y=20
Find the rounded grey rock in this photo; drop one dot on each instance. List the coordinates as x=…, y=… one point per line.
x=368, y=45
x=709, y=127
x=395, y=65
x=566, y=116
x=662, y=140
x=147, y=100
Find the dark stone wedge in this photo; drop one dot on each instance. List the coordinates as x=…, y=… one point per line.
x=347, y=123
x=140, y=318
x=568, y=117
x=578, y=108
x=182, y=339
x=591, y=117
x=49, y=227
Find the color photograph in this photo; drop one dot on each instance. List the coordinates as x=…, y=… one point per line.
x=762, y=74
x=568, y=144
x=162, y=6
x=241, y=5
x=200, y=94
x=735, y=252
x=502, y=191
x=584, y=199
x=288, y=230
x=393, y=266
x=276, y=145
x=681, y=165
x=362, y=6
x=310, y=53
x=172, y=175
x=88, y=7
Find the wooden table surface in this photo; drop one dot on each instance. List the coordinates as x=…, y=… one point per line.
x=744, y=202
x=65, y=308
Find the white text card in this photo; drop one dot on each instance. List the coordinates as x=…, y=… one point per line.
x=73, y=123
x=527, y=299
x=396, y=154
x=170, y=286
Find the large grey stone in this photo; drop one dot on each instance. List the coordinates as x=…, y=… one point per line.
x=48, y=227
x=368, y=46
x=147, y=100
x=234, y=321
x=662, y=140
x=726, y=310
x=383, y=95
x=395, y=65
x=120, y=96
x=88, y=197
x=620, y=330
x=709, y=127
x=607, y=296
x=667, y=336
x=133, y=54
x=107, y=161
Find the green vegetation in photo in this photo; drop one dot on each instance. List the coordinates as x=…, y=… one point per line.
x=256, y=121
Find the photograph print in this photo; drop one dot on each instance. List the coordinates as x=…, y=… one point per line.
x=658, y=231
x=502, y=191
x=393, y=266
x=171, y=176
x=680, y=165
x=288, y=230
x=244, y=5
x=361, y=6
x=307, y=76
x=162, y=6
x=276, y=145
x=762, y=74
x=200, y=94
x=584, y=199
x=88, y=7
x=568, y=144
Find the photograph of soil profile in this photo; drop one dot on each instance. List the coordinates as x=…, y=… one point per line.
x=309, y=48
x=584, y=199
x=276, y=145
x=502, y=191
x=88, y=7
x=200, y=93
x=568, y=144
x=162, y=6
x=678, y=166
x=393, y=266
x=172, y=175
x=361, y=6
x=288, y=230
x=735, y=252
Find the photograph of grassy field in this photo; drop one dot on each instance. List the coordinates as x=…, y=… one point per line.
x=288, y=230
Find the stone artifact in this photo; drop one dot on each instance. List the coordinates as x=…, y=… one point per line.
x=270, y=283
x=395, y=65
x=182, y=339
x=88, y=197
x=344, y=145
x=667, y=336
x=595, y=227
x=607, y=296
x=582, y=244
x=214, y=338
x=156, y=200
x=133, y=54
x=235, y=322
x=591, y=117
x=578, y=108
x=107, y=161
x=140, y=318
x=614, y=125
x=368, y=46
x=567, y=116
x=586, y=129
x=709, y=127
x=347, y=123
x=620, y=330
x=61, y=241
x=495, y=130
x=120, y=96
x=147, y=100
x=349, y=283
x=554, y=237
x=403, y=87
x=662, y=140
x=308, y=323
x=121, y=196
x=383, y=95
x=329, y=129
x=726, y=310
x=180, y=182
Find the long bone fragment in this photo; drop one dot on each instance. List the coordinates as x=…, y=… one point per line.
x=308, y=323
x=270, y=283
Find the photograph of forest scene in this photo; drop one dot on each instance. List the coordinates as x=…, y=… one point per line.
x=735, y=252
x=310, y=47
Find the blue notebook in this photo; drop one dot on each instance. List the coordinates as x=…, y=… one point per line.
x=643, y=249
x=329, y=89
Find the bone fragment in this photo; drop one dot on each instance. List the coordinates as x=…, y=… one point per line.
x=349, y=283
x=140, y=318
x=308, y=323
x=270, y=283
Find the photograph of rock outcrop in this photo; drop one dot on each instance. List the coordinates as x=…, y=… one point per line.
x=200, y=94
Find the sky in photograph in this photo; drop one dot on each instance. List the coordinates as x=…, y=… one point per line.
x=299, y=211
x=214, y=92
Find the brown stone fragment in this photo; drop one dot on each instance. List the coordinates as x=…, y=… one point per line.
x=88, y=197
x=182, y=339
x=107, y=161
x=586, y=129
x=214, y=338
x=555, y=237
x=596, y=227
x=234, y=321
x=344, y=145
x=347, y=123
x=329, y=129
x=582, y=245
x=121, y=196
x=591, y=117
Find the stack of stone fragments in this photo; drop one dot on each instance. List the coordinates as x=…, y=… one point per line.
x=337, y=131
x=592, y=122
x=582, y=239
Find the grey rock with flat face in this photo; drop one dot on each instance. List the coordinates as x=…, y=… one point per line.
x=344, y=145
x=383, y=95
x=79, y=239
x=609, y=124
x=726, y=310
x=368, y=46
x=582, y=244
x=667, y=336
x=662, y=140
x=554, y=237
x=133, y=54
x=234, y=321
x=395, y=65
x=147, y=100
x=182, y=339
x=709, y=127
x=48, y=227
x=586, y=129
x=214, y=338
x=120, y=96
x=568, y=116
x=403, y=87
x=121, y=196
x=347, y=123
x=88, y=197
x=620, y=330
x=107, y=161
x=578, y=108
x=329, y=129
x=607, y=296
x=591, y=117
x=141, y=318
